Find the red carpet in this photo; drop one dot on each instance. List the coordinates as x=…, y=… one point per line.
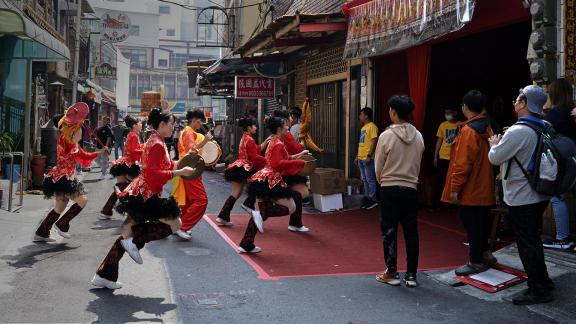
x=344, y=243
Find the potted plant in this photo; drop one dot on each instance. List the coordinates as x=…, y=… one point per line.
x=6, y=142
x=6, y=145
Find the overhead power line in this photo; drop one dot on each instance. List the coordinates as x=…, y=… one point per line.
x=201, y=8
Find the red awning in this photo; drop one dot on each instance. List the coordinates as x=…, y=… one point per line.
x=346, y=8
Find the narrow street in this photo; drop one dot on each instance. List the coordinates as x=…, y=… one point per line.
x=202, y=281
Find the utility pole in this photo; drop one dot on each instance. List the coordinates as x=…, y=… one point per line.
x=77, y=52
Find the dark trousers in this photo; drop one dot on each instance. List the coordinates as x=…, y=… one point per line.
x=399, y=205
x=176, y=157
x=476, y=220
x=526, y=221
x=441, y=172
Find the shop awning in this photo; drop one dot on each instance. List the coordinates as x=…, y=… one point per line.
x=288, y=34
x=379, y=27
x=218, y=78
x=14, y=22
x=296, y=24
x=109, y=97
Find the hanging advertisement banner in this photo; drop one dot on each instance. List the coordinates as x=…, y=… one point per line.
x=383, y=26
x=115, y=26
x=253, y=87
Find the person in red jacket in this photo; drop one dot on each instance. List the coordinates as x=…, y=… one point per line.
x=127, y=167
x=61, y=182
x=154, y=215
x=273, y=196
x=249, y=161
x=196, y=199
x=297, y=183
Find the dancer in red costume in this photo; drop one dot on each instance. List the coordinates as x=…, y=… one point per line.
x=196, y=199
x=297, y=183
x=154, y=215
x=61, y=182
x=249, y=161
x=273, y=196
x=127, y=167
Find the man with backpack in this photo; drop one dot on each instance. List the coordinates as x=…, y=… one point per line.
x=515, y=152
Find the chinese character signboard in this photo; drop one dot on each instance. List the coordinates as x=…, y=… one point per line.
x=383, y=26
x=105, y=71
x=115, y=26
x=253, y=87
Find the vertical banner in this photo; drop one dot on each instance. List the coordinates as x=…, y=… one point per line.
x=570, y=44
x=383, y=26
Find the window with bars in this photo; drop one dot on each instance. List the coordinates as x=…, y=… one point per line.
x=143, y=84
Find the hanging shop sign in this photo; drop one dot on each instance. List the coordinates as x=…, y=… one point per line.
x=105, y=71
x=115, y=26
x=253, y=87
x=383, y=26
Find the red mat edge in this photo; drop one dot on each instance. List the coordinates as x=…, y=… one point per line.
x=263, y=275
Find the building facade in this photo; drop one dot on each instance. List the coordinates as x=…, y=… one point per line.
x=160, y=42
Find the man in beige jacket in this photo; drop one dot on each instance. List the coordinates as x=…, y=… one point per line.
x=397, y=165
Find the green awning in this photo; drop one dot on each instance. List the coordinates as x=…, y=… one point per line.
x=32, y=42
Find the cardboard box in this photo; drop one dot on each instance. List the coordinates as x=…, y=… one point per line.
x=326, y=181
x=326, y=203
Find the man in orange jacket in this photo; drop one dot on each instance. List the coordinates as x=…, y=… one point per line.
x=470, y=182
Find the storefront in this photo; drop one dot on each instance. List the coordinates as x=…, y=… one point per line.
x=22, y=43
x=479, y=45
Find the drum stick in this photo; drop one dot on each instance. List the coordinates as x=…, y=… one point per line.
x=96, y=137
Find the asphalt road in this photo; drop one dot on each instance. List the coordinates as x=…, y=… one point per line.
x=201, y=281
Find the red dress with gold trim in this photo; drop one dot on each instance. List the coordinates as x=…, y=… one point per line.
x=62, y=180
x=129, y=163
x=143, y=199
x=293, y=147
x=268, y=182
x=249, y=160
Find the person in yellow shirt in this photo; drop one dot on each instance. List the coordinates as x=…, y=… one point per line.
x=446, y=134
x=364, y=159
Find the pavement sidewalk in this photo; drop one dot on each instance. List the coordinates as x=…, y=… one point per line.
x=48, y=283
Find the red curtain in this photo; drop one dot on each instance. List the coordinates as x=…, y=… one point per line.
x=418, y=61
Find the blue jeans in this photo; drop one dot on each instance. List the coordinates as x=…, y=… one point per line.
x=368, y=174
x=561, y=217
x=118, y=145
x=103, y=161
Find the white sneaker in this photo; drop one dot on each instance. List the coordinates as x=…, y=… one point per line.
x=183, y=235
x=302, y=229
x=132, y=250
x=105, y=283
x=256, y=249
x=258, y=220
x=104, y=217
x=38, y=238
x=223, y=222
x=60, y=232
